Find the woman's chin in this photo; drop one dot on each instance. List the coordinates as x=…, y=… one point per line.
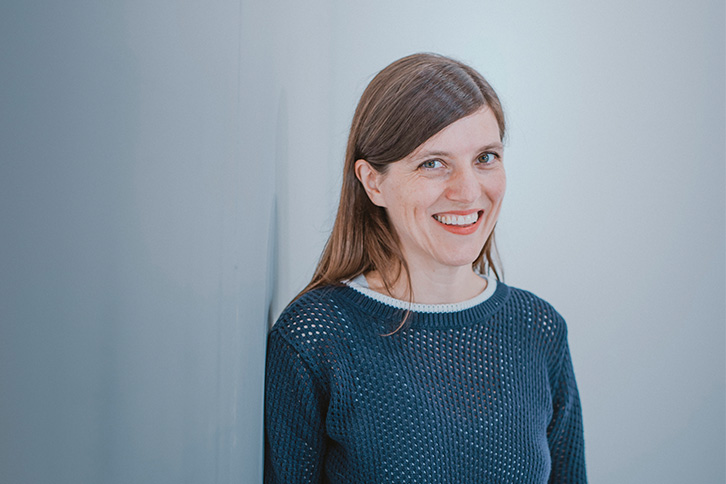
x=465, y=259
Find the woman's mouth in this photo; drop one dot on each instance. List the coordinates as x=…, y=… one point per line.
x=458, y=220
x=460, y=223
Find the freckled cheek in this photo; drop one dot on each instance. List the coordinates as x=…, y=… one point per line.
x=414, y=201
x=408, y=209
x=495, y=190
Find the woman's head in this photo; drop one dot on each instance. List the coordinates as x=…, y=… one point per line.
x=405, y=104
x=410, y=101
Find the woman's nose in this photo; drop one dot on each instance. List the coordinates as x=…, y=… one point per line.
x=463, y=186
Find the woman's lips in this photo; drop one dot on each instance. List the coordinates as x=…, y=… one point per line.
x=460, y=222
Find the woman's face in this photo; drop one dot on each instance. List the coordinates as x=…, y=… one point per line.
x=444, y=198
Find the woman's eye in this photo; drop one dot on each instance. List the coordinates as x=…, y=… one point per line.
x=486, y=158
x=430, y=164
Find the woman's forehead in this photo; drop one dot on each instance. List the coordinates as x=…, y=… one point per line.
x=475, y=132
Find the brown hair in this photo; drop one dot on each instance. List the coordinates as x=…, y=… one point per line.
x=403, y=106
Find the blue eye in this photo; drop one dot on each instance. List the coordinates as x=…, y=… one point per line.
x=431, y=164
x=486, y=158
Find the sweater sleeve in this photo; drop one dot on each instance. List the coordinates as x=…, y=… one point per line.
x=565, y=432
x=294, y=417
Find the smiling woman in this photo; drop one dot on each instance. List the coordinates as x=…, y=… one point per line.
x=404, y=360
x=442, y=201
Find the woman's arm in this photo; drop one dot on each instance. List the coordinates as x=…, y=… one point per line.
x=294, y=417
x=565, y=432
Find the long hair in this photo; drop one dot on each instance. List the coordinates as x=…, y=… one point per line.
x=404, y=105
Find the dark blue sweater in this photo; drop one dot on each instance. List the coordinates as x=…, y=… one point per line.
x=481, y=395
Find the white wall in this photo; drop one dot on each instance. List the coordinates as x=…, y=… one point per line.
x=615, y=203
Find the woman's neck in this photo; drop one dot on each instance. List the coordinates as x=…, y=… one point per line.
x=432, y=287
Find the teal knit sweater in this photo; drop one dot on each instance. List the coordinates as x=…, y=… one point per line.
x=482, y=392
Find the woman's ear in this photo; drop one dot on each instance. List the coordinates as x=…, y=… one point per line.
x=371, y=181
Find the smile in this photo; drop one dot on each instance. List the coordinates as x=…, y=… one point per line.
x=458, y=220
x=460, y=223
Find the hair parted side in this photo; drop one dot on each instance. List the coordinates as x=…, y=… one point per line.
x=404, y=105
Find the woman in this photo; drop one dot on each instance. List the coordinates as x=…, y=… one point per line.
x=403, y=360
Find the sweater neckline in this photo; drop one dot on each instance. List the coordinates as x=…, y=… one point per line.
x=360, y=284
x=466, y=315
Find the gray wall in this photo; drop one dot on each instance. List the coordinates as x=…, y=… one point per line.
x=169, y=172
x=136, y=193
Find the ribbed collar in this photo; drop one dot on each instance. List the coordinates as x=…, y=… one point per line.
x=422, y=319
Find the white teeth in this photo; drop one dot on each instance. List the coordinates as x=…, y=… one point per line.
x=449, y=219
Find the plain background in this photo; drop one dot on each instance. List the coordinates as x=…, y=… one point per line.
x=169, y=173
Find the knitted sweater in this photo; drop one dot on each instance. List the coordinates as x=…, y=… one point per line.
x=470, y=393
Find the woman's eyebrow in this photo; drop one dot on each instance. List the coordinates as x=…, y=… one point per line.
x=491, y=146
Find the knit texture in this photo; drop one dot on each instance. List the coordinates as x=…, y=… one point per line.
x=482, y=395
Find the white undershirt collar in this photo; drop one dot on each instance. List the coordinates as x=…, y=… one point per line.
x=360, y=284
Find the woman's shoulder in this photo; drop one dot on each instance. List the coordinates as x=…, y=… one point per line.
x=316, y=316
x=322, y=303
x=534, y=312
